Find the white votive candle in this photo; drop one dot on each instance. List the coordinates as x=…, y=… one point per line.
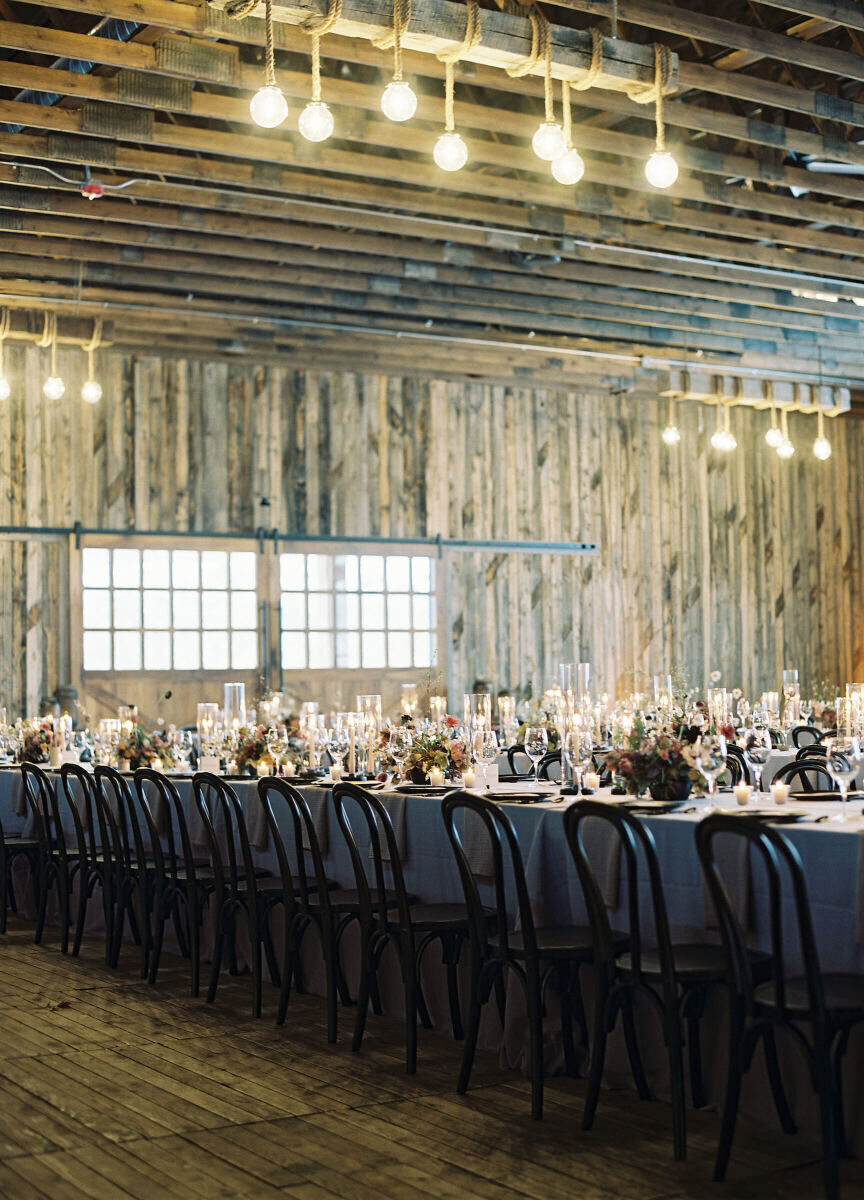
x=336, y=773
x=436, y=777
x=468, y=778
x=290, y=770
x=591, y=780
x=780, y=792
x=742, y=793
x=263, y=768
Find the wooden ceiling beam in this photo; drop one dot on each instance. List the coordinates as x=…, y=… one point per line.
x=837, y=12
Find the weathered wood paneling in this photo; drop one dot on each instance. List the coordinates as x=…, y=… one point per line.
x=738, y=563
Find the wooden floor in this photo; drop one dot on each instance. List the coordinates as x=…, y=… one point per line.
x=112, y=1089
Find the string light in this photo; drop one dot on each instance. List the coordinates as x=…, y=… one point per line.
x=774, y=435
x=5, y=322
x=450, y=152
x=398, y=101
x=723, y=438
x=91, y=389
x=661, y=169
x=785, y=449
x=821, y=446
x=549, y=142
x=316, y=119
x=671, y=434
x=268, y=107
x=53, y=388
x=569, y=167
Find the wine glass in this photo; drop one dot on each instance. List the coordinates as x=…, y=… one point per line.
x=536, y=745
x=842, y=756
x=340, y=744
x=401, y=741
x=709, y=754
x=757, y=747
x=277, y=744
x=182, y=749
x=486, y=749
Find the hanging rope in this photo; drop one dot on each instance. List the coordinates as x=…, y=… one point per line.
x=451, y=57
x=5, y=326
x=401, y=17
x=238, y=10
x=540, y=38
x=93, y=344
x=645, y=94
x=49, y=331
x=614, y=18
x=596, y=65
x=334, y=12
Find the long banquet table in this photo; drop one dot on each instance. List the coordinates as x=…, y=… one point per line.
x=831, y=852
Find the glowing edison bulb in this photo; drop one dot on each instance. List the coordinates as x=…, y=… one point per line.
x=316, y=121
x=569, y=168
x=661, y=169
x=268, y=107
x=785, y=449
x=91, y=391
x=671, y=435
x=398, y=101
x=549, y=142
x=450, y=153
x=5, y=389
x=822, y=448
x=723, y=440
x=774, y=437
x=53, y=387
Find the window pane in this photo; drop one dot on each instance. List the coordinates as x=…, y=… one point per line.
x=184, y=568
x=320, y=651
x=399, y=612
x=96, y=609
x=215, y=651
x=157, y=651
x=214, y=569
x=347, y=611
x=156, y=570
x=187, y=610
x=293, y=610
x=157, y=610
x=127, y=651
x=97, y=651
x=187, y=651
x=244, y=651
x=346, y=572
x=126, y=566
x=294, y=651
x=424, y=612
x=127, y=610
x=214, y=610
x=243, y=566
x=424, y=649
x=320, y=610
x=244, y=610
x=373, y=612
x=421, y=574
x=292, y=572
x=372, y=573
x=399, y=649
x=96, y=568
x=348, y=650
x=319, y=569
x=398, y=574
x=374, y=650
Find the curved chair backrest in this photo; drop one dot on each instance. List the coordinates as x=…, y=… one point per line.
x=804, y=735
x=736, y=770
x=274, y=794
x=812, y=774
x=44, y=804
x=513, y=765
x=784, y=874
x=826, y=734
x=546, y=765
x=176, y=854
x=815, y=750
x=733, y=751
x=372, y=892
x=128, y=821
x=507, y=865
x=79, y=788
x=225, y=830
x=776, y=739
x=634, y=837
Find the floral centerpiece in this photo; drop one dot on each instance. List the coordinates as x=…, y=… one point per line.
x=142, y=749
x=439, y=749
x=36, y=742
x=660, y=762
x=251, y=747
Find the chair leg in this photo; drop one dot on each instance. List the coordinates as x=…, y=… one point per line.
x=676, y=1072
x=331, y=968
x=256, y=939
x=222, y=919
x=159, y=918
x=452, y=947
x=693, y=1009
x=730, y=1105
x=63, y=896
x=828, y=1115
x=364, y=992
x=472, y=1029
x=412, y=1001
x=179, y=918
x=535, y=1040
x=270, y=953
x=193, y=924
x=42, y=904
x=565, y=972
x=287, y=972
x=598, y=1060
x=633, y=1052
x=778, y=1092
x=81, y=915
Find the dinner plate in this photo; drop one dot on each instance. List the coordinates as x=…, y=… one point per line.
x=520, y=797
x=424, y=789
x=776, y=816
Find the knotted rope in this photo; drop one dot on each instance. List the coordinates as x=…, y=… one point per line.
x=334, y=12
x=451, y=57
x=646, y=93
x=401, y=17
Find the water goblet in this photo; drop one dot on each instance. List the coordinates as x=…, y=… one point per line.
x=536, y=745
x=709, y=754
x=400, y=744
x=842, y=757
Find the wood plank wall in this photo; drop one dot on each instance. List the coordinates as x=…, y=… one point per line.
x=740, y=563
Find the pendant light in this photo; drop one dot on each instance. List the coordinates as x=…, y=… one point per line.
x=53, y=388
x=398, y=101
x=785, y=449
x=549, y=142
x=91, y=389
x=268, y=107
x=821, y=447
x=450, y=152
x=774, y=434
x=661, y=169
x=671, y=435
x=569, y=167
x=316, y=119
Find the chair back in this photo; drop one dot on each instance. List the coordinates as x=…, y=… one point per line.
x=79, y=789
x=736, y=770
x=777, y=740
x=804, y=735
x=814, y=750
x=371, y=884
x=126, y=819
x=637, y=846
x=44, y=805
x=507, y=868
x=512, y=752
x=173, y=855
x=277, y=794
x=227, y=837
x=784, y=874
x=548, y=763
x=810, y=772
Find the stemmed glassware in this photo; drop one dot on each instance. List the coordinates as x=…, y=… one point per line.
x=536, y=745
x=277, y=744
x=182, y=749
x=399, y=745
x=757, y=747
x=340, y=744
x=485, y=749
x=709, y=754
x=842, y=758
x=577, y=750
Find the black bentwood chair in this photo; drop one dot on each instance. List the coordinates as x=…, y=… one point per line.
x=532, y=954
x=736, y=764
x=92, y=817
x=828, y=1005
x=804, y=735
x=240, y=890
x=393, y=916
x=54, y=864
x=810, y=772
x=675, y=977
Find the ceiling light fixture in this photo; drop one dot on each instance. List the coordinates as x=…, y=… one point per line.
x=671, y=434
x=661, y=169
x=53, y=387
x=268, y=107
x=91, y=389
x=398, y=101
x=451, y=153
x=569, y=167
x=316, y=120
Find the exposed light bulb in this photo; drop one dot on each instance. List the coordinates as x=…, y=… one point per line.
x=5, y=389
x=723, y=440
x=731, y=441
x=774, y=437
x=316, y=121
x=785, y=449
x=549, y=142
x=398, y=101
x=822, y=448
x=91, y=391
x=671, y=435
x=661, y=169
x=268, y=107
x=450, y=153
x=569, y=168
x=53, y=387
